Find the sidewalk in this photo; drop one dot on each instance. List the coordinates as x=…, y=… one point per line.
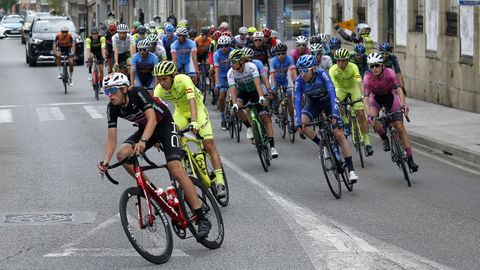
x=451, y=131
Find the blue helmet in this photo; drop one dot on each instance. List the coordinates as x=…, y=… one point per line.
x=359, y=48
x=385, y=47
x=335, y=43
x=169, y=29
x=306, y=61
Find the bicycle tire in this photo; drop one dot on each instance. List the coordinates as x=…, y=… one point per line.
x=238, y=127
x=356, y=139
x=346, y=181
x=329, y=165
x=224, y=200
x=96, y=85
x=259, y=145
x=65, y=78
x=291, y=126
x=165, y=253
x=401, y=159
x=282, y=121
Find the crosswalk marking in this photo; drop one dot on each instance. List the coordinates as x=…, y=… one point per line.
x=93, y=112
x=6, y=116
x=49, y=114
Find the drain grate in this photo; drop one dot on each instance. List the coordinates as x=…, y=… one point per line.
x=39, y=218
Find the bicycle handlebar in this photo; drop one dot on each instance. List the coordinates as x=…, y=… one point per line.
x=249, y=105
x=389, y=116
x=350, y=102
x=188, y=129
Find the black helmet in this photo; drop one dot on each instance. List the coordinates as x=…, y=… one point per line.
x=94, y=30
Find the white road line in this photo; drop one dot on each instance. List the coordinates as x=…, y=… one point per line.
x=49, y=114
x=6, y=116
x=331, y=245
x=105, y=252
x=93, y=112
x=10, y=106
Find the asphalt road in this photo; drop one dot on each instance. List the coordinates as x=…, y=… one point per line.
x=57, y=213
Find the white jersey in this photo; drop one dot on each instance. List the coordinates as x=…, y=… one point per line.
x=123, y=45
x=243, y=81
x=326, y=62
x=160, y=53
x=239, y=42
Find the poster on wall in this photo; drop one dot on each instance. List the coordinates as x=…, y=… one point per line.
x=469, y=3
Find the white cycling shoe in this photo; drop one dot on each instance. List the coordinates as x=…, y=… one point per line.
x=249, y=133
x=353, y=177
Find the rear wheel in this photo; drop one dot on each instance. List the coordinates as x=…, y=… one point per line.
x=153, y=241
x=260, y=147
x=329, y=167
x=282, y=121
x=401, y=162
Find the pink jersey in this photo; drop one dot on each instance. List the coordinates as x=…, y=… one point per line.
x=384, y=84
x=296, y=54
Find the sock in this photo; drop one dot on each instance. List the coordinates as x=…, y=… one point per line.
x=199, y=213
x=316, y=140
x=349, y=162
x=219, y=176
x=366, y=137
x=409, y=151
x=90, y=69
x=247, y=124
x=271, y=141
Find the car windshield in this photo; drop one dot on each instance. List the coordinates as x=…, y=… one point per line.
x=30, y=18
x=12, y=20
x=53, y=26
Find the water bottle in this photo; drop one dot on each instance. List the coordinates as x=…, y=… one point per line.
x=200, y=161
x=335, y=152
x=160, y=193
x=172, y=196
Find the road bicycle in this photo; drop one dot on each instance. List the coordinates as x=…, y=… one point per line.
x=65, y=75
x=259, y=135
x=334, y=168
x=398, y=153
x=356, y=136
x=144, y=209
x=202, y=85
x=199, y=164
x=284, y=121
x=96, y=79
x=234, y=125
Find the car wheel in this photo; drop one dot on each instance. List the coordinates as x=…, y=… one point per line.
x=27, y=59
x=23, y=40
x=33, y=62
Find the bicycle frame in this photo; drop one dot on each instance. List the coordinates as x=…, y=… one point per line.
x=197, y=172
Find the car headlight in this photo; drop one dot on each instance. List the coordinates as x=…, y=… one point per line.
x=36, y=41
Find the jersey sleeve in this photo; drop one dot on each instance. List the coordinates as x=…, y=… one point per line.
x=112, y=116
x=366, y=85
x=131, y=41
x=331, y=73
x=299, y=85
x=102, y=42
x=254, y=71
x=230, y=78
x=133, y=62
x=193, y=46
x=142, y=98
x=291, y=63
x=356, y=72
x=216, y=60
x=174, y=47
x=273, y=66
x=395, y=63
x=87, y=43
x=115, y=40
x=331, y=93
x=189, y=87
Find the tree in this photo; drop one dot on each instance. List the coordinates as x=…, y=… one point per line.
x=56, y=6
x=6, y=4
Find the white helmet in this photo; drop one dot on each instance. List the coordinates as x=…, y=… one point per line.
x=374, y=58
x=152, y=24
x=248, y=52
x=301, y=40
x=257, y=35
x=361, y=28
x=323, y=37
x=224, y=40
x=243, y=30
x=274, y=34
x=115, y=79
x=182, y=31
x=144, y=44
x=224, y=25
x=122, y=28
x=64, y=28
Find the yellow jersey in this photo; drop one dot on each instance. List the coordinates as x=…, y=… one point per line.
x=347, y=78
x=183, y=89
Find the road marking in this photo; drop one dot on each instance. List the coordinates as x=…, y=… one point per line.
x=49, y=104
x=105, y=252
x=49, y=114
x=331, y=245
x=6, y=116
x=93, y=112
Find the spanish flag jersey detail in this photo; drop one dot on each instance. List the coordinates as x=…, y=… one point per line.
x=183, y=89
x=347, y=78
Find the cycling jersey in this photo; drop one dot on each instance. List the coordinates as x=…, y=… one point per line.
x=261, y=53
x=95, y=46
x=108, y=43
x=160, y=53
x=64, y=42
x=220, y=59
x=295, y=54
x=202, y=48
x=346, y=82
x=243, y=81
x=123, y=45
x=143, y=68
x=392, y=62
x=325, y=62
x=381, y=90
x=167, y=44
x=320, y=94
x=239, y=42
x=361, y=64
x=184, y=50
x=281, y=69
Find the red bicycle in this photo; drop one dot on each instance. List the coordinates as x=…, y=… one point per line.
x=143, y=209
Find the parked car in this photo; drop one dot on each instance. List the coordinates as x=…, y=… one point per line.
x=11, y=26
x=28, y=23
x=42, y=35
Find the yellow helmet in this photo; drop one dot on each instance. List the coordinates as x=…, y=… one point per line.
x=164, y=68
x=252, y=30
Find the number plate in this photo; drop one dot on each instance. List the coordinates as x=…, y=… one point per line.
x=15, y=32
x=51, y=52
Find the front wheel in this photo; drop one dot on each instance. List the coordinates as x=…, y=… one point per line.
x=399, y=152
x=152, y=241
x=260, y=146
x=329, y=167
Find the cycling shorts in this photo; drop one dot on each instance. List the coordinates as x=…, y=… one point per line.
x=182, y=119
x=123, y=57
x=187, y=68
x=252, y=97
x=99, y=57
x=355, y=94
x=390, y=101
x=313, y=109
x=65, y=51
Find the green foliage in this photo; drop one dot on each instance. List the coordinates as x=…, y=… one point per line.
x=55, y=5
x=6, y=4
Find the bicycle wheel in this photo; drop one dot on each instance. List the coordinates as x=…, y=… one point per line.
x=282, y=121
x=65, y=78
x=259, y=145
x=401, y=159
x=238, y=127
x=346, y=181
x=330, y=169
x=96, y=83
x=291, y=126
x=357, y=141
x=153, y=241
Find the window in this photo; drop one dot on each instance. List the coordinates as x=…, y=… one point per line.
x=199, y=13
x=297, y=16
x=230, y=11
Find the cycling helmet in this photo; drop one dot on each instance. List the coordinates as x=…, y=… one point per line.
x=361, y=28
x=192, y=33
x=143, y=44
x=146, y=25
x=335, y=43
x=315, y=48
x=236, y=55
x=212, y=29
x=153, y=38
x=359, y=48
x=301, y=40
x=266, y=32
x=123, y=28
x=204, y=31
x=164, y=68
x=227, y=33
x=384, y=47
x=223, y=40
x=136, y=24
x=323, y=37
x=216, y=35
x=115, y=79
x=141, y=30
x=112, y=27
x=152, y=24
x=248, y=52
x=64, y=29
x=94, y=30
x=182, y=23
x=157, y=19
x=274, y=34
x=314, y=39
x=224, y=26
x=257, y=35
x=252, y=30
x=375, y=58
x=342, y=54
x=242, y=30
x=169, y=29
x=182, y=31
x=306, y=61
x=281, y=47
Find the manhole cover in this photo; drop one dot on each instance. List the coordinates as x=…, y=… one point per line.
x=38, y=218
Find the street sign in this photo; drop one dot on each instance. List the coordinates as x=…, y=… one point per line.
x=469, y=3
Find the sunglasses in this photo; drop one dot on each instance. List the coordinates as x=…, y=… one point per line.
x=301, y=45
x=250, y=34
x=278, y=54
x=375, y=66
x=304, y=70
x=111, y=90
x=234, y=61
x=143, y=50
x=224, y=46
x=258, y=40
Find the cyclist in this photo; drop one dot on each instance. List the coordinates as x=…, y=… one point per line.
x=241, y=39
x=221, y=64
x=334, y=44
x=324, y=61
x=275, y=37
x=359, y=58
x=281, y=64
x=184, y=54
x=268, y=40
x=260, y=49
x=390, y=60
x=250, y=31
x=361, y=35
x=381, y=89
x=168, y=39
x=95, y=45
x=318, y=88
x=263, y=70
x=64, y=44
x=140, y=34
x=123, y=46
x=156, y=125
x=244, y=86
x=135, y=26
x=324, y=40
x=189, y=109
x=156, y=47
x=300, y=48
x=142, y=65
x=112, y=30
x=347, y=80
x=203, y=42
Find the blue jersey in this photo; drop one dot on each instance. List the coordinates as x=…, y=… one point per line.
x=220, y=60
x=261, y=68
x=143, y=68
x=184, y=51
x=281, y=69
x=392, y=62
x=318, y=92
x=167, y=43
